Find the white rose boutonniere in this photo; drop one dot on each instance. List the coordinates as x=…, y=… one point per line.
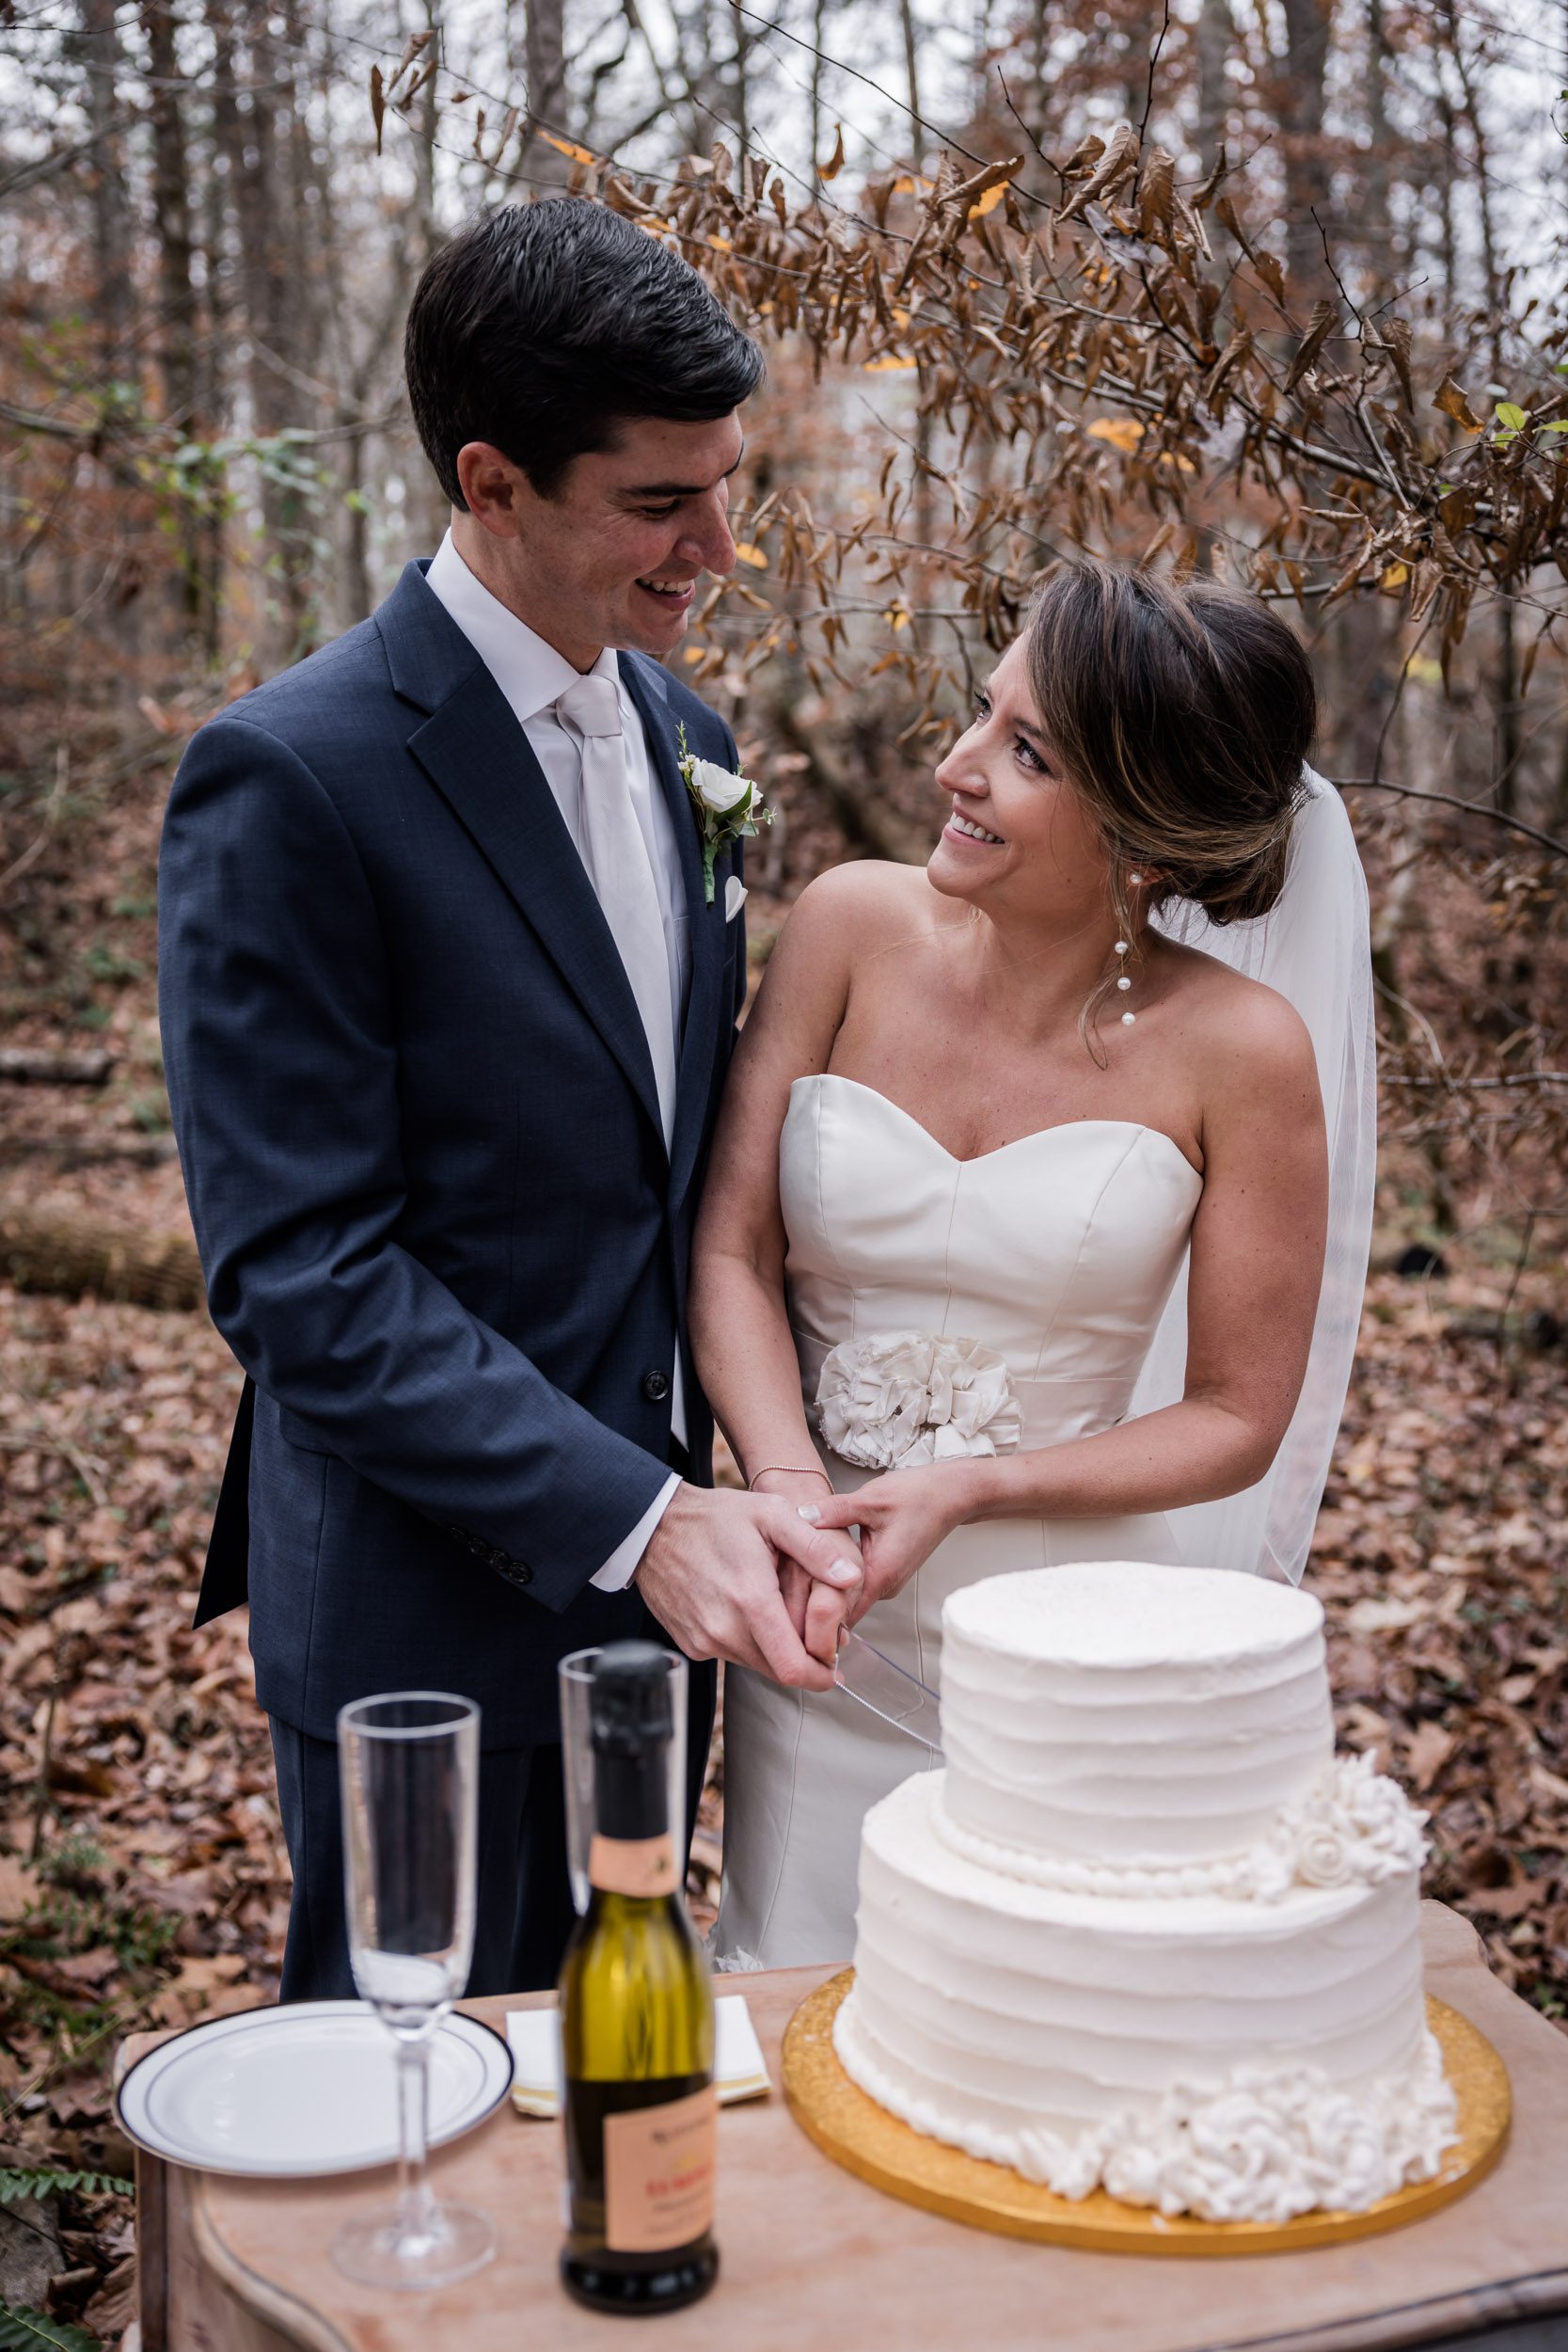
x=729, y=807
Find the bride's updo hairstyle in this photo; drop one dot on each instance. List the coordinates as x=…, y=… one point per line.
x=1184, y=713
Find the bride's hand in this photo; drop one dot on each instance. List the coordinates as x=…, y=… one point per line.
x=902, y=1518
x=819, y=1615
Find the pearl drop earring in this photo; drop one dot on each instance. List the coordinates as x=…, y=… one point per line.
x=1123, y=983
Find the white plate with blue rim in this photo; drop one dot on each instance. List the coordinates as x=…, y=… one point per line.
x=307, y=2088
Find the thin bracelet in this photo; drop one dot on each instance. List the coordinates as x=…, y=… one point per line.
x=789, y=1469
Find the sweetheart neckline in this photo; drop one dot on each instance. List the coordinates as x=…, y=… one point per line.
x=1063, y=1126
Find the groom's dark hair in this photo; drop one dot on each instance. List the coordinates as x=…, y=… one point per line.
x=540, y=328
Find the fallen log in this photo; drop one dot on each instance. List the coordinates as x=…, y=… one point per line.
x=24, y=1067
x=73, y=1256
x=91, y=1150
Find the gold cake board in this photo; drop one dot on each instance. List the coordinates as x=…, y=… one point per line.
x=864, y=2137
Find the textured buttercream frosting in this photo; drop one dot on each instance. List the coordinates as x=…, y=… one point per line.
x=1117, y=1714
x=1231, y=2024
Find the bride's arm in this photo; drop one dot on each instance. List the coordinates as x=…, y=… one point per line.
x=741, y=1332
x=1256, y=1266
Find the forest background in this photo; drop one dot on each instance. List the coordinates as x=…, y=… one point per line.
x=1271, y=288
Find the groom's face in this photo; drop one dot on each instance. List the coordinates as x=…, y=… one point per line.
x=613, y=556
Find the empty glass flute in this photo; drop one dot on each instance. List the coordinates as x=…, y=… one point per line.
x=409, y=1767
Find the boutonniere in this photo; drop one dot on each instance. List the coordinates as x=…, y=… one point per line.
x=729, y=807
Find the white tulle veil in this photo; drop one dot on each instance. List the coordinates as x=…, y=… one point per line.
x=1315, y=949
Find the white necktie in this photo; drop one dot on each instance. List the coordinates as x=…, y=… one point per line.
x=622, y=875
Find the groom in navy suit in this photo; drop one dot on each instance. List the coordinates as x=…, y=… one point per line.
x=446, y=1016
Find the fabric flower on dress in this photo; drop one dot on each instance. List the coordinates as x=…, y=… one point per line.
x=906, y=1398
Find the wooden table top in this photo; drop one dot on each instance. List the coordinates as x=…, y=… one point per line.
x=814, y=2258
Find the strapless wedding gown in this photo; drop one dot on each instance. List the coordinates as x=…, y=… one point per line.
x=1058, y=1253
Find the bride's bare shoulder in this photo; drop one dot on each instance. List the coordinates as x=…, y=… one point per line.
x=1240, y=1024
x=867, y=905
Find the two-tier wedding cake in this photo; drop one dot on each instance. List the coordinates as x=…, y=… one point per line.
x=1147, y=1932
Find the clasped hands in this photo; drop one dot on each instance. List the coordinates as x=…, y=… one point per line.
x=771, y=1580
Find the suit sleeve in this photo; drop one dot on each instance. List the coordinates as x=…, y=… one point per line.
x=280, y=1052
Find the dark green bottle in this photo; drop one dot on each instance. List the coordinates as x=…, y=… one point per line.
x=637, y=2023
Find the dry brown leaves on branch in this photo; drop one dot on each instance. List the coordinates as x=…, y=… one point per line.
x=1111, y=361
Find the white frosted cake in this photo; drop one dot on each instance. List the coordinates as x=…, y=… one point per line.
x=1147, y=1932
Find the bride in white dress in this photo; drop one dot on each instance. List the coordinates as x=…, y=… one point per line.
x=984, y=1122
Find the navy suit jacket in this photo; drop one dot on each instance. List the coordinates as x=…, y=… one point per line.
x=421, y=1138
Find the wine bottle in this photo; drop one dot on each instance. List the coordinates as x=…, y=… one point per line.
x=636, y=2024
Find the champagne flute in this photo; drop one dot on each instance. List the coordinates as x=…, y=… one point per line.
x=409, y=1768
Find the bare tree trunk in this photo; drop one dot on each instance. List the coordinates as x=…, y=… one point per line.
x=742, y=83
x=1447, y=180
x=911, y=77
x=1216, y=37
x=1378, y=222
x=172, y=211
x=1496, y=276
x=1508, y=706
x=1035, y=99
x=277, y=310
x=924, y=523
x=545, y=76
x=214, y=350
x=114, y=362
x=1216, y=34
x=105, y=61
x=1299, y=105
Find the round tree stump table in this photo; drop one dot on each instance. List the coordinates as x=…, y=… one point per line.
x=816, y=2260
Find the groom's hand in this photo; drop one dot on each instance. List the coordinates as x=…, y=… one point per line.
x=711, y=1577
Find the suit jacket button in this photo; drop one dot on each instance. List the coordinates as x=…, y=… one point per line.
x=521, y=1574
x=655, y=1387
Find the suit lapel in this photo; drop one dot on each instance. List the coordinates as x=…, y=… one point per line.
x=699, y=1034
x=479, y=759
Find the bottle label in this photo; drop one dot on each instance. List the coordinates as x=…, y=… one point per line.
x=658, y=2173
x=633, y=1865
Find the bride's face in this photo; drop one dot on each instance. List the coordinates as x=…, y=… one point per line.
x=1018, y=837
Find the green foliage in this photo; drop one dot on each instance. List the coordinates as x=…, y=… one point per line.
x=75, y=1858
x=31, y=2332
x=197, y=473
x=104, y=962
x=18, y=2186
x=151, y=1113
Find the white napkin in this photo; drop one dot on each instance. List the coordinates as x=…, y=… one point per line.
x=534, y=2037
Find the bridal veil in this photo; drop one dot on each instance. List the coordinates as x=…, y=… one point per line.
x=1314, y=947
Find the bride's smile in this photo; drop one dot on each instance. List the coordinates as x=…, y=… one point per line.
x=1019, y=841
x=970, y=829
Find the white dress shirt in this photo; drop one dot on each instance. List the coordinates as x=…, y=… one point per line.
x=533, y=676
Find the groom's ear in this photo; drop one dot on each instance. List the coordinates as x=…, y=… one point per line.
x=497, y=493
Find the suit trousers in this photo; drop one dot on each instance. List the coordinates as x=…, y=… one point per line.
x=523, y=1911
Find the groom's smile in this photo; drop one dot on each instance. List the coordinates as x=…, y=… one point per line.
x=674, y=596
x=613, y=553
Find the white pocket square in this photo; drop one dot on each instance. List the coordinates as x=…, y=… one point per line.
x=735, y=898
